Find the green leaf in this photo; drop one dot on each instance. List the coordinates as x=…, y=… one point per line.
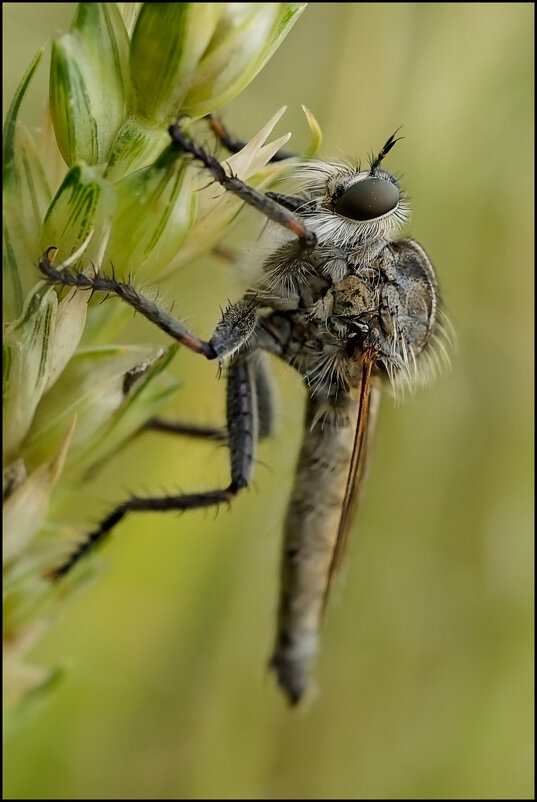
x=31, y=194
x=316, y=133
x=246, y=37
x=96, y=387
x=89, y=87
x=167, y=44
x=9, y=170
x=25, y=509
x=27, y=351
x=25, y=190
x=137, y=144
x=150, y=388
x=83, y=206
x=155, y=211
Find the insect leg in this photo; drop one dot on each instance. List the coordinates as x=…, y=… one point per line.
x=242, y=434
x=234, y=145
x=291, y=202
x=248, y=194
x=235, y=326
x=131, y=296
x=266, y=409
x=186, y=429
x=266, y=401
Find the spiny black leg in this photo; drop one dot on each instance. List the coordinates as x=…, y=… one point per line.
x=235, y=326
x=252, y=197
x=265, y=396
x=242, y=423
x=234, y=145
x=266, y=410
x=135, y=504
x=242, y=430
x=291, y=202
x=131, y=296
x=187, y=429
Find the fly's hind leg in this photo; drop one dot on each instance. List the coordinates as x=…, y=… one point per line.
x=242, y=440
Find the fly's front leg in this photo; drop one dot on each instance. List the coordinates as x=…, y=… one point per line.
x=124, y=290
x=235, y=326
x=269, y=207
x=235, y=145
x=242, y=441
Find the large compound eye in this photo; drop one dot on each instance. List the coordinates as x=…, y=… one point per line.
x=368, y=199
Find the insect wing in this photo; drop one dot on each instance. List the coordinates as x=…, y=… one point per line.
x=366, y=417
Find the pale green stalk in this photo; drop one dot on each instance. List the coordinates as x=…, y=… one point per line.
x=103, y=185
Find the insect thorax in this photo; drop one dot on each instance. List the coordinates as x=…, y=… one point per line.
x=328, y=302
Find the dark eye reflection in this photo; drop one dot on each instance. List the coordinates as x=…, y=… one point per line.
x=368, y=199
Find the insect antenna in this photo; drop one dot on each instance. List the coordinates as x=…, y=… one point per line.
x=385, y=150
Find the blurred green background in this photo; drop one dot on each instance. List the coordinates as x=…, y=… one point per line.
x=425, y=675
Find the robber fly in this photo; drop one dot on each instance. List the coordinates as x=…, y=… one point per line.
x=353, y=310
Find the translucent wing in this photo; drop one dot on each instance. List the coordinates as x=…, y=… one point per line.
x=366, y=416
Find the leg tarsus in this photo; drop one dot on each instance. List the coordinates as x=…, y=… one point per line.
x=135, y=504
x=242, y=428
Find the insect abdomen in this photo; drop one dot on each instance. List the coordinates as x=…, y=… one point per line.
x=310, y=535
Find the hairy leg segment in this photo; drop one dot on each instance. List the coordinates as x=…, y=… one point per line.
x=249, y=413
x=242, y=435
